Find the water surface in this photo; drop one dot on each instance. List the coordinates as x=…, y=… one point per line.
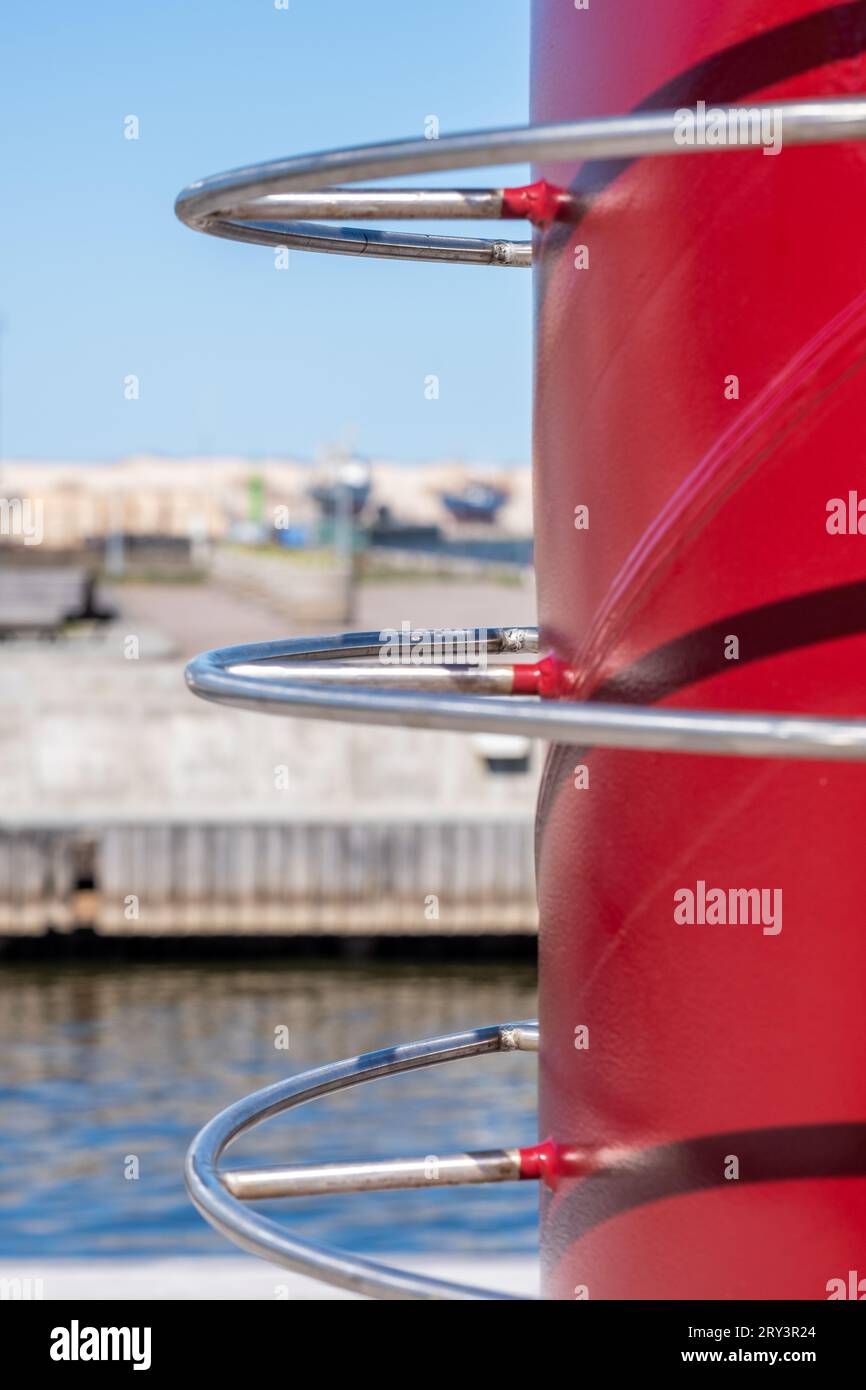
x=102, y=1062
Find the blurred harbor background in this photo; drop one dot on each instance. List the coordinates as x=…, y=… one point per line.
x=179, y=881
x=201, y=446
x=131, y=809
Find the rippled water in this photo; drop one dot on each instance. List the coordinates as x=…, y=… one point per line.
x=101, y=1062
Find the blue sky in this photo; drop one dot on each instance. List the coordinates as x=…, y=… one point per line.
x=98, y=280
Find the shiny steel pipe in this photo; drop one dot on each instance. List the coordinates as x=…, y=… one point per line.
x=251, y=204
x=378, y=1175
x=397, y=204
x=283, y=678
x=210, y=1191
x=477, y=680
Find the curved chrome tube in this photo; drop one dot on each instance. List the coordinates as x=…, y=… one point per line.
x=296, y=677
x=259, y=203
x=212, y=1190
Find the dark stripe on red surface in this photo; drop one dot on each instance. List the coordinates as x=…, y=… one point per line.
x=813, y=41
x=772, y=629
x=782, y=1154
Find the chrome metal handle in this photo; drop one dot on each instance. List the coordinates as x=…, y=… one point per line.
x=306, y=678
x=219, y=1194
x=258, y=204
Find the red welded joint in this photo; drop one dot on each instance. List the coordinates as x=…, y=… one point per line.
x=550, y=678
x=549, y=1162
x=541, y=203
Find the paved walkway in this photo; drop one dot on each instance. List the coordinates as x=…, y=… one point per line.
x=198, y=617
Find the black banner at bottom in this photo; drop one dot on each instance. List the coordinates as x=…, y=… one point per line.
x=255, y=1339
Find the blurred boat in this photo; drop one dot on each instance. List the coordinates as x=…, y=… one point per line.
x=477, y=502
x=349, y=490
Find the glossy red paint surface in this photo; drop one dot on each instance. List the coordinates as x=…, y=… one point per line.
x=707, y=520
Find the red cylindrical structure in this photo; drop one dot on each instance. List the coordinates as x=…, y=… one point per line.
x=701, y=334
